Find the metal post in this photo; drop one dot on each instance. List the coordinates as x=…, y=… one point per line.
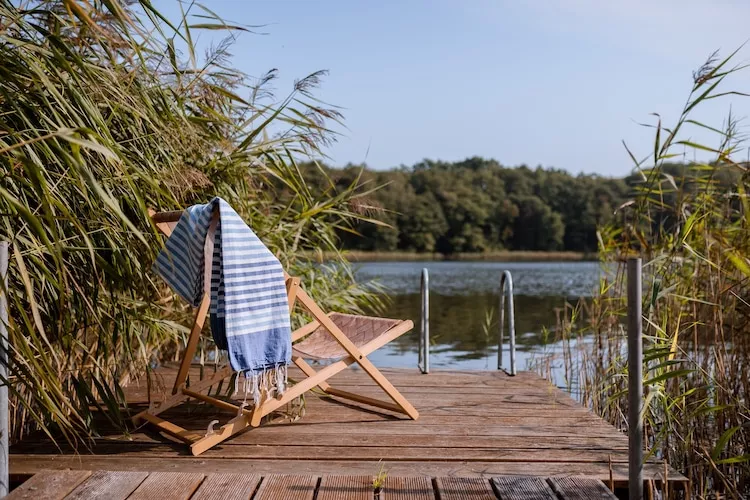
x=635, y=381
x=4, y=423
x=424, y=328
x=506, y=281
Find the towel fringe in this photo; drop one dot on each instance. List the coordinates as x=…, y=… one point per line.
x=262, y=385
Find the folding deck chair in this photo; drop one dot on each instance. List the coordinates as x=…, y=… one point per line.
x=343, y=339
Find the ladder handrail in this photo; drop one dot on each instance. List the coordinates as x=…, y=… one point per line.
x=424, y=327
x=506, y=282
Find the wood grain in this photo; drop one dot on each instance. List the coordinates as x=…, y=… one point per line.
x=225, y=486
x=464, y=488
x=523, y=488
x=345, y=488
x=287, y=487
x=581, y=488
x=168, y=486
x=52, y=485
x=108, y=485
x=409, y=488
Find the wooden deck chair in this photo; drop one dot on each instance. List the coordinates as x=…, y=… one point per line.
x=343, y=339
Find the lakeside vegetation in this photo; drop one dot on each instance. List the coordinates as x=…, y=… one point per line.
x=107, y=110
x=692, y=233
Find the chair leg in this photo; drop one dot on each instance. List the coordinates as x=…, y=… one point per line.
x=227, y=430
x=407, y=409
x=389, y=389
x=309, y=371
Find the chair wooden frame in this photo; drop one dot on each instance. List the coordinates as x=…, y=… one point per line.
x=165, y=222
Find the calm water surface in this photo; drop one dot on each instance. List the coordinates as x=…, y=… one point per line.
x=464, y=302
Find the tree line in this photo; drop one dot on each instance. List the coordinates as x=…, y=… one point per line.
x=479, y=205
x=474, y=205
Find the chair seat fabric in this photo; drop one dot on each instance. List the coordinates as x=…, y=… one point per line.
x=321, y=345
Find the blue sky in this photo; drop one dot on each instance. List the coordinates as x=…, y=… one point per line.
x=553, y=82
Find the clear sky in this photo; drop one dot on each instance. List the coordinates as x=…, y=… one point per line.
x=553, y=82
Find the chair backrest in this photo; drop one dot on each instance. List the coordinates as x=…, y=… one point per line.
x=165, y=221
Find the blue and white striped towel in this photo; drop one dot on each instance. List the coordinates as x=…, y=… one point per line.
x=249, y=307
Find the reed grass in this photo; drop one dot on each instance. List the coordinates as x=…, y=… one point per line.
x=106, y=110
x=693, y=237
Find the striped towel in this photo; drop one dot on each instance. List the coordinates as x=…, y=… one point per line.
x=249, y=307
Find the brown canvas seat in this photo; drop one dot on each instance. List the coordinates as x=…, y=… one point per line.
x=361, y=330
x=341, y=339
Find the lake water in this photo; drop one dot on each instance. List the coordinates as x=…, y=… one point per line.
x=464, y=300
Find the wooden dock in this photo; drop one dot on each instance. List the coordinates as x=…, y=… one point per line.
x=473, y=425
x=110, y=485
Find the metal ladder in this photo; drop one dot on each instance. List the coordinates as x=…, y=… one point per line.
x=506, y=285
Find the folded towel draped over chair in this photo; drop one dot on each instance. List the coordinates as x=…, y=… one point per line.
x=249, y=307
x=243, y=284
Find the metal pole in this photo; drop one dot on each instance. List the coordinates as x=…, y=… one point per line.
x=506, y=280
x=635, y=381
x=424, y=328
x=4, y=423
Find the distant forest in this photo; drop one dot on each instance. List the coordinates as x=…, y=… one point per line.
x=479, y=205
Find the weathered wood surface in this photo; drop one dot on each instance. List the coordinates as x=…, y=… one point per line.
x=49, y=485
x=222, y=486
x=523, y=488
x=108, y=485
x=472, y=424
x=287, y=487
x=409, y=488
x=345, y=488
x=581, y=488
x=168, y=486
x=464, y=488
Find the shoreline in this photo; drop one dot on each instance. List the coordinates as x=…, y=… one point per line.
x=498, y=256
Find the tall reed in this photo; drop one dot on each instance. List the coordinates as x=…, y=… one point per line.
x=692, y=233
x=106, y=110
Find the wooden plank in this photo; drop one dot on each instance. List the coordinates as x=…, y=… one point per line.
x=409, y=488
x=287, y=487
x=464, y=488
x=353, y=415
x=351, y=453
x=25, y=464
x=226, y=486
x=345, y=488
x=419, y=441
x=580, y=488
x=108, y=485
x=168, y=486
x=522, y=488
x=301, y=437
x=52, y=485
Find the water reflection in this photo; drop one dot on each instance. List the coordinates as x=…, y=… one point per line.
x=572, y=279
x=464, y=308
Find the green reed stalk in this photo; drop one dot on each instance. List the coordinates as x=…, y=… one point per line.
x=107, y=110
x=690, y=227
